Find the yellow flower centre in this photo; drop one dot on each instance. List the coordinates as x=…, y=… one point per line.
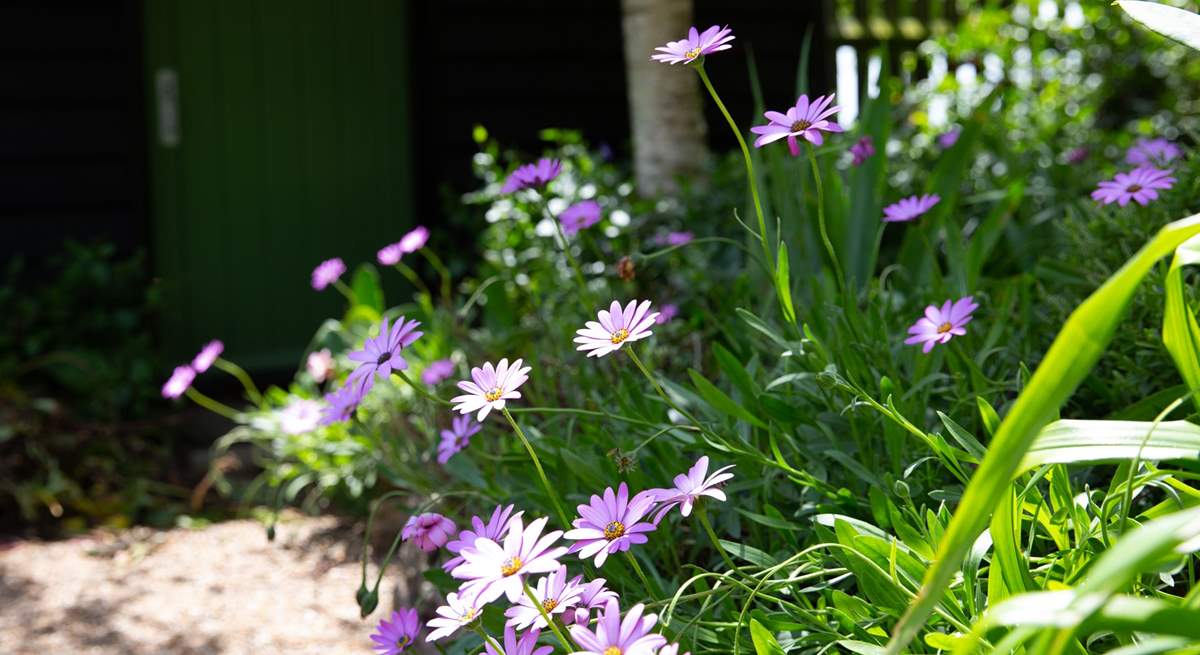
x=801, y=125
x=690, y=54
x=614, y=530
x=612, y=650
x=493, y=395
x=945, y=327
x=510, y=566
x=403, y=642
x=469, y=615
x=620, y=335
x=549, y=604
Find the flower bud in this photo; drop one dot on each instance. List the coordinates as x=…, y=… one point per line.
x=368, y=600
x=625, y=269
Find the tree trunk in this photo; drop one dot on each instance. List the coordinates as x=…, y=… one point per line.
x=664, y=101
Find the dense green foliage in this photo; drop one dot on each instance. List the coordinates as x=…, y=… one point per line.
x=879, y=490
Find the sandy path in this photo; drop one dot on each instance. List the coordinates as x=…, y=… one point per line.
x=223, y=589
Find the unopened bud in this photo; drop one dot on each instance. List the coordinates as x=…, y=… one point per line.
x=625, y=269
x=368, y=600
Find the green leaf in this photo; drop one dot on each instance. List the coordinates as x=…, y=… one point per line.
x=721, y=402
x=1075, y=442
x=764, y=641
x=367, y=289
x=1075, y=351
x=783, y=284
x=1180, y=332
x=1176, y=24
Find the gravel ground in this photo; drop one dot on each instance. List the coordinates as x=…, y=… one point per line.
x=223, y=589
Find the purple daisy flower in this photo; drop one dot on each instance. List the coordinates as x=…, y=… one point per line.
x=381, y=355
x=429, y=531
x=806, y=120
x=397, y=635
x=1077, y=155
x=492, y=569
x=910, y=208
x=554, y=593
x=579, y=216
x=340, y=405
x=327, y=272
x=666, y=313
x=690, y=487
x=948, y=139
x=180, y=380
x=437, y=371
x=592, y=595
x=300, y=416
x=494, y=529
x=457, y=437
x=531, y=176
x=207, y=355
x=695, y=46
x=1152, y=152
x=389, y=255
x=678, y=238
x=630, y=636
x=940, y=324
x=863, y=150
x=1140, y=185
x=414, y=240
x=526, y=645
x=611, y=524
x=615, y=328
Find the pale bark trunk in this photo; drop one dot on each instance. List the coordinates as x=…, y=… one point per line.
x=665, y=110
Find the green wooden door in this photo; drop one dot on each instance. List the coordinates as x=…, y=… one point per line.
x=279, y=138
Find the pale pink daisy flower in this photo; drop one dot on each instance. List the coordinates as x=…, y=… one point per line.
x=207, y=355
x=319, y=364
x=458, y=611
x=327, y=272
x=428, y=531
x=553, y=592
x=494, y=529
x=673, y=649
x=389, y=255
x=691, y=486
x=695, y=46
x=492, y=570
x=910, y=208
x=414, y=240
x=616, y=327
x=181, y=379
x=940, y=324
x=805, y=120
x=490, y=387
x=613, y=635
x=1140, y=185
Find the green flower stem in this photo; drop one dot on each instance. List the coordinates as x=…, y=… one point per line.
x=412, y=277
x=702, y=514
x=443, y=272
x=651, y=590
x=420, y=389
x=487, y=638
x=243, y=377
x=562, y=515
x=568, y=645
x=214, y=406
x=586, y=297
x=751, y=177
x=589, y=412
x=658, y=388
x=833, y=258
x=370, y=522
x=345, y=291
